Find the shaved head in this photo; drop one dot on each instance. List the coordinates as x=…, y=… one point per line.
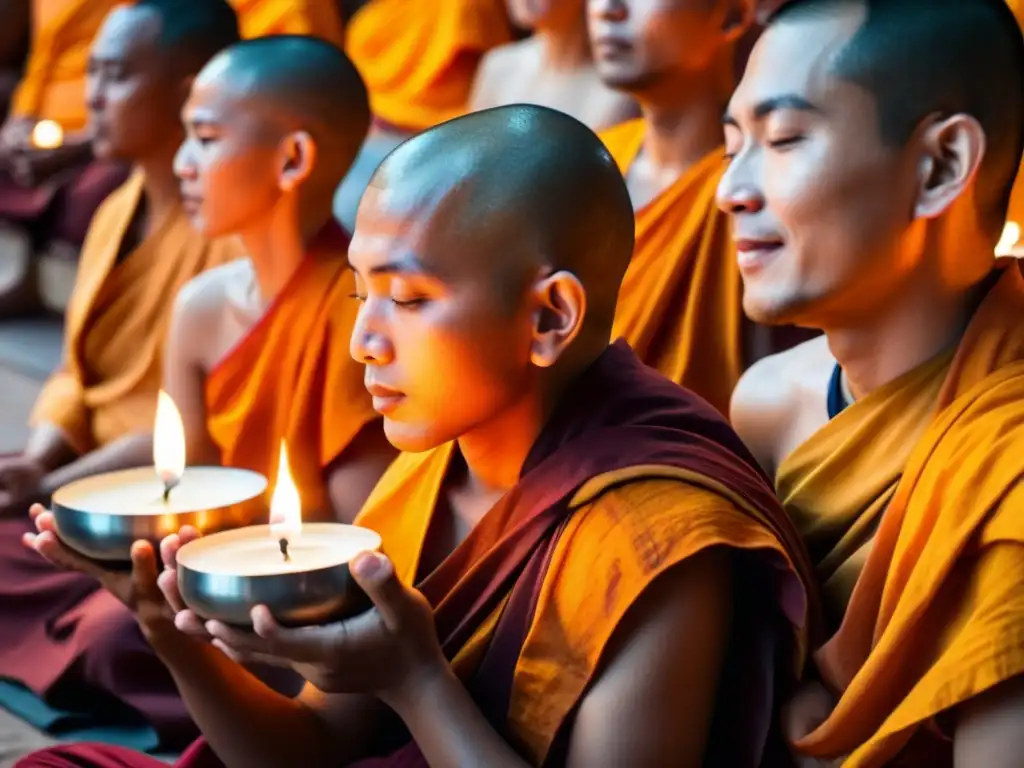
x=488, y=252
x=192, y=31
x=528, y=187
x=299, y=83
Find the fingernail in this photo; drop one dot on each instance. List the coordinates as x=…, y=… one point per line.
x=368, y=565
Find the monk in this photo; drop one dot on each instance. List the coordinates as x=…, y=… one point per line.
x=49, y=189
x=680, y=302
x=95, y=413
x=873, y=147
x=419, y=60
x=552, y=68
x=295, y=17
x=580, y=531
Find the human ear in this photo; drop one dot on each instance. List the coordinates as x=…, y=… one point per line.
x=298, y=153
x=561, y=306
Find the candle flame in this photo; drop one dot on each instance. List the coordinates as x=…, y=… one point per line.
x=168, y=441
x=47, y=134
x=285, y=504
x=1009, y=238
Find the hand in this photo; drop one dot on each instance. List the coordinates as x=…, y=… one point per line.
x=20, y=481
x=387, y=652
x=137, y=589
x=15, y=135
x=810, y=707
x=31, y=167
x=185, y=621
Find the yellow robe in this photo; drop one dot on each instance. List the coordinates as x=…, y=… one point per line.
x=257, y=18
x=53, y=87
x=117, y=319
x=292, y=379
x=910, y=503
x=1016, y=211
x=419, y=57
x=680, y=305
x=601, y=564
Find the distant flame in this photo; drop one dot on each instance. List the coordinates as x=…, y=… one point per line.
x=168, y=441
x=285, y=504
x=1009, y=238
x=47, y=134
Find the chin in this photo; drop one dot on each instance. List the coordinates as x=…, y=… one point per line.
x=410, y=438
x=768, y=310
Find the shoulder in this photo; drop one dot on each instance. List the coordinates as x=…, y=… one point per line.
x=202, y=299
x=492, y=74
x=769, y=397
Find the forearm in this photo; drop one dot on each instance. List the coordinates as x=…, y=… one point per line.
x=124, y=453
x=246, y=723
x=450, y=729
x=49, y=448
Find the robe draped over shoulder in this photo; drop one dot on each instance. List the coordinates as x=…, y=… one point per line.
x=419, y=57
x=291, y=378
x=909, y=501
x=320, y=18
x=117, y=320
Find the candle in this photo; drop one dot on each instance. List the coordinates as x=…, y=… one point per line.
x=47, y=134
x=102, y=516
x=300, y=571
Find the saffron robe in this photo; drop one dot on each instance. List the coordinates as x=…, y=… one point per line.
x=291, y=378
x=1016, y=211
x=61, y=633
x=630, y=476
x=680, y=304
x=909, y=500
x=321, y=18
x=419, y=57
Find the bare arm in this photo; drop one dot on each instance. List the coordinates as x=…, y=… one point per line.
x=353, y=475
x=250, y=726
x=990, y=728
x=654, y=699
x=757, y=411
x=126, y=452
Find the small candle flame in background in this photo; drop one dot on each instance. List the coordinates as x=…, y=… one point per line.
x=47, y=134
x=168, y=441
x=1008, y=240
x=285, y=504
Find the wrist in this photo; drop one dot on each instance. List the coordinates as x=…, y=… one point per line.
x=426, y=684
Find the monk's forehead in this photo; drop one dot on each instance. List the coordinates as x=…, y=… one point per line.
x=796, y=56
x=126, y=32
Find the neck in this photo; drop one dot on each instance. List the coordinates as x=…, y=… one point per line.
x=277, y=244
x=565, y=47
x=683, y=118
x=160, y=185
x=896, y=339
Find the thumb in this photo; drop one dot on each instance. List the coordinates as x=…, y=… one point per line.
x=375, y=573
x=144, y=570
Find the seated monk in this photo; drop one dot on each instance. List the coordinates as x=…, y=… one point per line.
x=552, y=68
x=581, y=532
x=419, y=60
x=258, y=18
x=680, y=302
x=49, y=192
x=874, y=144
x=94, y=414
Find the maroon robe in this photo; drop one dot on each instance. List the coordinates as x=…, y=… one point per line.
x=619, y=414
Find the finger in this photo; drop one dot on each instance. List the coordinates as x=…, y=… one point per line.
x=188, y=533
x=304, y=644
x=375, y=573
x=36, y=510
x=169, y=550
x=45, y=521
x=49, y=546
x=228, y=651
x=144, y=571
x=167, y=581
x=186, y=621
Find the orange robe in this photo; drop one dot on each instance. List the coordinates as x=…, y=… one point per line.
x=680, y=305
x=292, y=379
x=909, y=500
x=53, y=87
x=419, y=57
x=1016, y=211
x=257, y=18
x=117, y=320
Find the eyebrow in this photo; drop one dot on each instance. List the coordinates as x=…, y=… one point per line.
x=786, y=101
x=404, y=266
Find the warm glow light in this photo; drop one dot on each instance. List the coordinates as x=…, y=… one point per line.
x=285, y=504
x=47, y=134
x=1010, y=236
x=168, y=441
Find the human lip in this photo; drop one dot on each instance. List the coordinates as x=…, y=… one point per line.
x=753, y=254
x=385, y=399
x=191, y=203
x=610, y=47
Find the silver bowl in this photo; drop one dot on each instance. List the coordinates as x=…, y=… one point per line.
x=102, y=516
x=320, y=595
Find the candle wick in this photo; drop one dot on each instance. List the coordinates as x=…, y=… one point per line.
x=283, y=543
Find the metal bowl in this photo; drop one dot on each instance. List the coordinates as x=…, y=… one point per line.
x=102, y=516
x=301, y=598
